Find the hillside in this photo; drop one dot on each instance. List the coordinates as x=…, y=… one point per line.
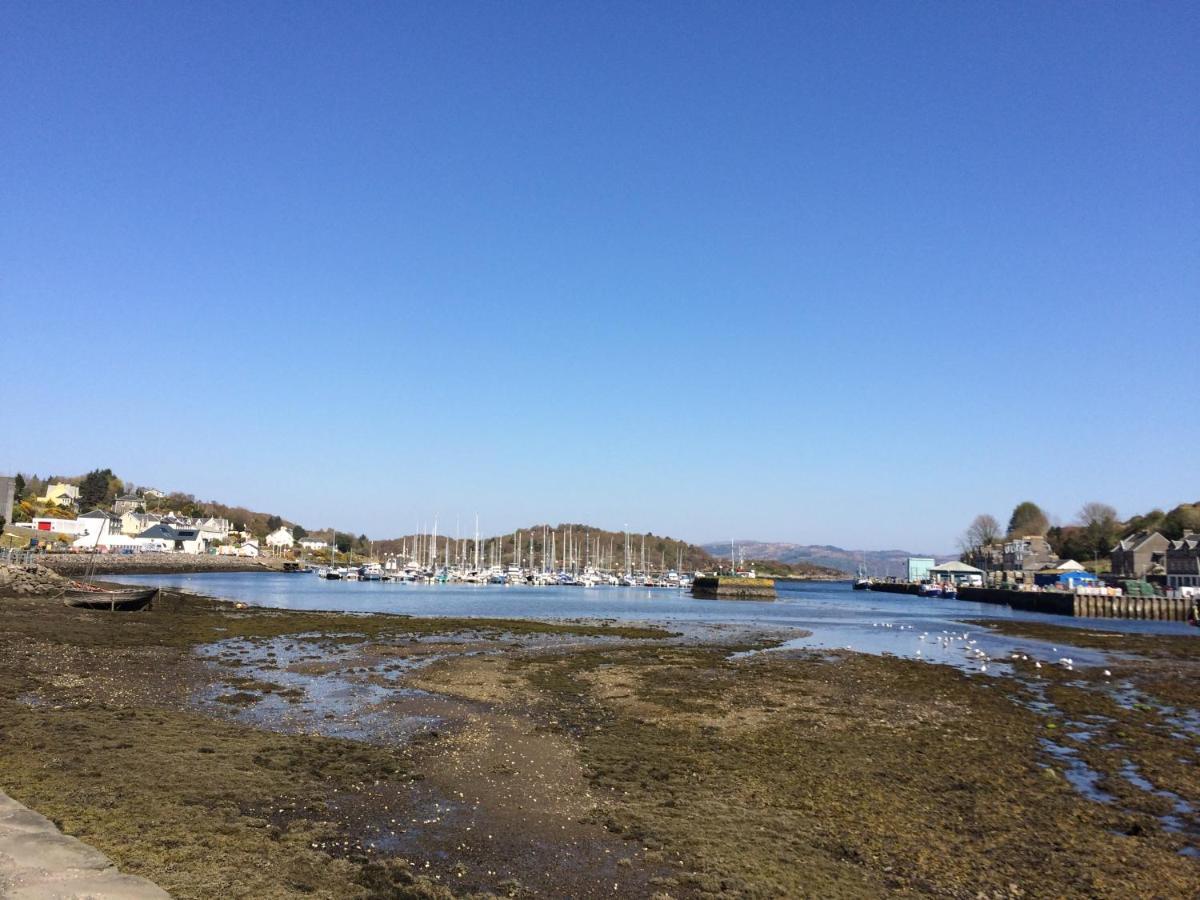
x=586, y=544
x=878, y=563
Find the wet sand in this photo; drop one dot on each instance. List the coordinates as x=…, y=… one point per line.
x=263, y=753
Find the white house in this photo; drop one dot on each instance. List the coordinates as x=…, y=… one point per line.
x=281, y=539
x=247, y=549
x=215, y=529
x=309, y=543
x=98, y=524
x=59, y=526
x=172, y=538
x=109, y=540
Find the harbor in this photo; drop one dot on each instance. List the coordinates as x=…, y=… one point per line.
x=360, y=738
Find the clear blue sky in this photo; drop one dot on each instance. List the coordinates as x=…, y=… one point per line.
x=361, y=263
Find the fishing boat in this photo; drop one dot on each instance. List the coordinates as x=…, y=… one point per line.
x=83, y=595
x=863, y=581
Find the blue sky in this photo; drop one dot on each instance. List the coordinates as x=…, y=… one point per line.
x=847, y=273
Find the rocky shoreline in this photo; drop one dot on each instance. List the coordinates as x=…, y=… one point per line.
x=32, y=581
x=153, y=563
x=285, y=753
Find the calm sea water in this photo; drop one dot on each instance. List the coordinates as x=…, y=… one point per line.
x=836, y=615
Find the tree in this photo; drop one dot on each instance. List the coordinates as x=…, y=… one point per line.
x=1027, y=519
x=97, y=489
x=19, y=487
x=1100, y=527
x=1183, y=518
x=343, y=541
x=299, y=532
x=1151, y=521
x=274, y=522
x=983, y=530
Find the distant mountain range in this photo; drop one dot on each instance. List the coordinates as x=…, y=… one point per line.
x=878, y=563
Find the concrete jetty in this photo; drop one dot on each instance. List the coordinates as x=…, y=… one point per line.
x=39, y=862
x=730, y=587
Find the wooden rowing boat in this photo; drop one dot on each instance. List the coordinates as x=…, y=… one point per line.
x=82, y=595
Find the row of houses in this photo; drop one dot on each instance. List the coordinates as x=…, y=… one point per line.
x=1145, y=555
x=140, y=531
x=131, y=524
x=1149, y=554
x=66, y=496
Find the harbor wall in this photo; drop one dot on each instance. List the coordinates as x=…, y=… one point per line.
x=894, y=587
x=153, y=563
x=1061, y=603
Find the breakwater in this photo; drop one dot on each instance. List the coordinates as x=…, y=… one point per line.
x=152, y=563
x=725, y=587
x=1062, y=603
x=894, y=587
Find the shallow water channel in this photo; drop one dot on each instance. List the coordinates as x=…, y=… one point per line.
x=318, y=684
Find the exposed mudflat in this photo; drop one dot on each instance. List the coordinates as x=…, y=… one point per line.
x=262, y=753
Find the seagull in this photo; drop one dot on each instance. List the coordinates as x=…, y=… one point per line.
x=1107, y=674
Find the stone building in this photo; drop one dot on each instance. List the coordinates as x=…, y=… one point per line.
x=1028, y=554
x=1138, y=554
x=1183, y=561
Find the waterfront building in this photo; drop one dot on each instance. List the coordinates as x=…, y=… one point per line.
x=99, y=522
x=1138, y=554
x=281, y=539
x=314, y=544
x=1183, y=561
x=49, y=524
x=918, y=568
x=246, y=549
x=1028, y=554
x=957, y=573
x=179, y=539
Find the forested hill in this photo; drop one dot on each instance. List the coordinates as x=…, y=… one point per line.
x=586, y=544
x=879, y=563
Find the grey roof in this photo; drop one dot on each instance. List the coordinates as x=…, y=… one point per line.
x=100, y=514
x=957, y=567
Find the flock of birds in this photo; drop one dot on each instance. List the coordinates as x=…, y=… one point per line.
x=951, y=640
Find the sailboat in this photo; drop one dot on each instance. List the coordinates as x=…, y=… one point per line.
x=85, y=595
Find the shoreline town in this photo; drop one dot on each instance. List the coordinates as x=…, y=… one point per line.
x=836, y=742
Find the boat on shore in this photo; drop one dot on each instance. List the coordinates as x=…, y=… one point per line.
x=82, y=595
